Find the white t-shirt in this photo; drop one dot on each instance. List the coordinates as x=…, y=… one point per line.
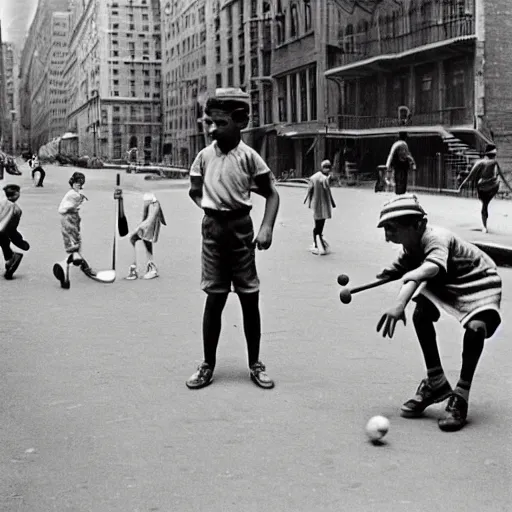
x=228, y=179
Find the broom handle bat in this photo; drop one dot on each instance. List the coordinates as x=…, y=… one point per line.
x=373, y=284
x=122, y=223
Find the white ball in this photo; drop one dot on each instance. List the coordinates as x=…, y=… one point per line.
x=377, y=427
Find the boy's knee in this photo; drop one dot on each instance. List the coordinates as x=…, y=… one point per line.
x=477, y=328
x=425, y=311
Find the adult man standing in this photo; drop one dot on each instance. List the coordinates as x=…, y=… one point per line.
x=401, y=162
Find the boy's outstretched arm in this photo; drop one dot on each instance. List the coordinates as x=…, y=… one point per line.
x=412, y=281
x=196, y=189
x=266, y=188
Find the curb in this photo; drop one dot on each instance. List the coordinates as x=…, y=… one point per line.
x=501, y=254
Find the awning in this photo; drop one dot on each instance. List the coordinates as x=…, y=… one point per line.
x=69, y=135
x=336, y=133
x=381, y=62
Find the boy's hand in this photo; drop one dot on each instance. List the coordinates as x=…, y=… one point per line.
x=264, y=239
x=118, y=193
x=24, y=245
x=389, y=320
x=386, y=274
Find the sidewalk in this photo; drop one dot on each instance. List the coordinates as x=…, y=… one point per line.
x=460, y=214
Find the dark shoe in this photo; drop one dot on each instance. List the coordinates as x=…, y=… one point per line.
x=457, y=412
x=260, y=377
x=201, y=378
x=425, y=396
x=61, y=272
x=75, y=259
x=12, y=265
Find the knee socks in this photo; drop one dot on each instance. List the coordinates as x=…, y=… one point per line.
x=473, y=346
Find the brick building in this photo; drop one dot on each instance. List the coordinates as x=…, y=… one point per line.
x=42, y=91
x=113, y=76
x=437, y=69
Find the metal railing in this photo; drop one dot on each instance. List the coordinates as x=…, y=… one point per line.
x=452, y=116
x=379, y=40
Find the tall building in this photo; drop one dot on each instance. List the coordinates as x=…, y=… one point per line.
x=10, y=74
x=436, y=69
x=113, y=76
x=185, y=74
x=3, y=106
x=273, y=49
x=42, y=91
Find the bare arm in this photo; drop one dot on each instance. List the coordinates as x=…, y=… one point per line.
x=471, y=174
x=196, y=189
x=266, y=188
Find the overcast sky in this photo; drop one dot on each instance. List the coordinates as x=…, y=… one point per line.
x=16, y=16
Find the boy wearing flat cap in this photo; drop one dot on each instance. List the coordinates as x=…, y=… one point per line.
x=222, y=177
x=445, y=272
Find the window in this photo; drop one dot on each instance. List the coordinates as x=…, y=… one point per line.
x=293, y=97
x=218, y=79
x=267, y=104
x=231, y=80
x=303, y=87
x=294, y=21
x=307, y=15
x=241, y=73
x=312, y=93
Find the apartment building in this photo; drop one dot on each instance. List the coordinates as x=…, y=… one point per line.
x=43, y=95
x=184, y=70
x=113, y=74
x=3, y=106
x=10, y=79
x=435, y=69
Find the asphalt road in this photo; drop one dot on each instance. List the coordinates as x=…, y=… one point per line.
x=95, y=415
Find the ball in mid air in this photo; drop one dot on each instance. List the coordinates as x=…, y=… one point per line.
x=343, y=279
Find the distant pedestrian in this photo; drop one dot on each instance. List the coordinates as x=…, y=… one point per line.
x=10, y=215
x=319, y=199
x=147, y=231
x=400, y=162
x=37, y=168
x=71, y=229
x=221, y=180
x=484, y=176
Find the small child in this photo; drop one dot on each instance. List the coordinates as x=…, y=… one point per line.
x=70, y=228
x=319, y=199
x=10, y=215
x=147, y=231
x=457, y=277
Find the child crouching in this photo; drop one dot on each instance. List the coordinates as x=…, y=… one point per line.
x=460, y=279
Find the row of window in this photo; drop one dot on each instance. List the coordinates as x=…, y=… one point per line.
x=297, y=96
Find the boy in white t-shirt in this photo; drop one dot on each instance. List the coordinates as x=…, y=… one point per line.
x=221, y=180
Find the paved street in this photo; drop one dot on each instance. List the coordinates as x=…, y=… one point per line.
x=95, y=415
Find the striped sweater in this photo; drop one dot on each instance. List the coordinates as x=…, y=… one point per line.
x=468, y=281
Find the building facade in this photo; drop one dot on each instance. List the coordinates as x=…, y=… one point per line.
x=42, y=91
x=113, y=76
x=10, y=79
x=184, y=69
x=432, y=68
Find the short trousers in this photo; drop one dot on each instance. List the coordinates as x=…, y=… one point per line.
x=429, y=307
x=486, y=195
x=70, y=228
x=228, y=254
